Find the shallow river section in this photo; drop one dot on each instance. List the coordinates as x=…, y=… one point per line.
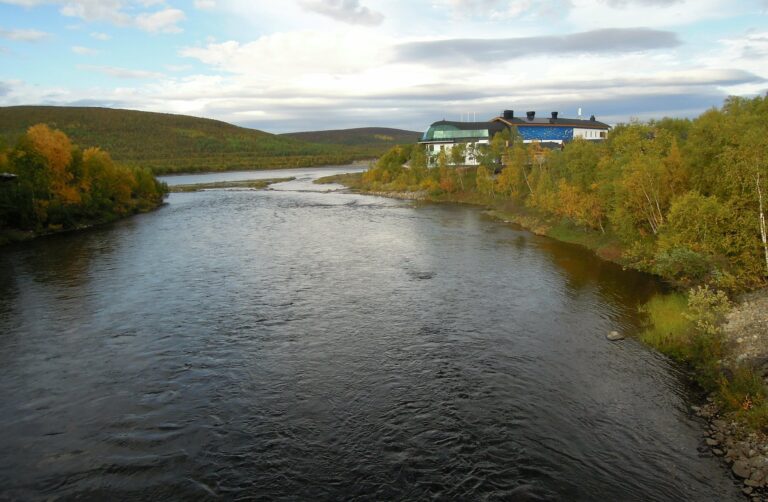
x=308, y=343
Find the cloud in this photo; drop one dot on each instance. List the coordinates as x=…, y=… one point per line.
x=293, y=54
x=205, y=4
x=25, y=3
x=164, y=21
x=5, y=88
x=505, y=9
x=100, y=36
x=456, y=51
x=644, y=3
x=346, y=11
x=23, y=35
x=117, y=72
x=96, y=10
x=84, y=51
x=116, y=12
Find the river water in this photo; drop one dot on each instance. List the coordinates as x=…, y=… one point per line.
x=308, y=343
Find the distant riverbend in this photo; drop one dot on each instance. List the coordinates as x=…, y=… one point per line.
x=307, y=342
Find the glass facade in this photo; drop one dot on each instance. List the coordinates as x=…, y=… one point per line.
x=449, y=132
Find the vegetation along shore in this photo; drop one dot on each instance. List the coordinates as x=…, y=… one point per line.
x=56, y=186
x=229, y=185
x=682, y=199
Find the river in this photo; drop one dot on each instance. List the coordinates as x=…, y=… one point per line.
x=309, y=343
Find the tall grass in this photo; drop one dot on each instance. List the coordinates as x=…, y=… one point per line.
x=667, y=329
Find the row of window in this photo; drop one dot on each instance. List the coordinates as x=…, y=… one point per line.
x=590, y=134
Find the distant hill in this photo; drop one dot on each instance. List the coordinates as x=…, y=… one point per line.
x=379, y=139
x=174, y=143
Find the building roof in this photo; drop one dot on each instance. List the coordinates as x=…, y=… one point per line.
x=449, y=130
x=548, y=121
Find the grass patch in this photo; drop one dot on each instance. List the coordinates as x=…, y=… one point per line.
x=352, y=180
x=253, y=184
x=668, y=330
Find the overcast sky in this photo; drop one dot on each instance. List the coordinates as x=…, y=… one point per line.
x=290, y=65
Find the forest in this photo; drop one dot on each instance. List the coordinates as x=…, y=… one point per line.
x=682, y=199
x=59, y=186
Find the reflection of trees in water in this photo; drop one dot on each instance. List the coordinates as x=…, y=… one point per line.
x=65, y=259
x=583, y=269
x=8, y=288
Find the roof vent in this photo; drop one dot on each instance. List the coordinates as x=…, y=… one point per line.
x=592, y=118
x=530, y=115
x=554, y=115
x=508, y=114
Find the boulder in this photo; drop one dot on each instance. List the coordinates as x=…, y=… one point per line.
x=741, y=469
x=614, y=336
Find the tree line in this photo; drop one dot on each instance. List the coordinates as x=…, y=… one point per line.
x=684, y=199
x=60, y=186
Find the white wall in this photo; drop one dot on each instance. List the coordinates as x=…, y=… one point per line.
x=589, y=134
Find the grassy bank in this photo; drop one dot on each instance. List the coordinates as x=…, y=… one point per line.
x=688, y=327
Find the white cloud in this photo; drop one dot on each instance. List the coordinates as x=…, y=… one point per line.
x=96, y=10
x=505, y=9
x=346, y=11
x=118, y=72
x=295, y=53
x=205, y=4
x=622, y=14
x=23, y=35
x=100, y=36
x=164, y=21
x=84, y=51
x=25, y=3
x=748, y=52
x=116, y=12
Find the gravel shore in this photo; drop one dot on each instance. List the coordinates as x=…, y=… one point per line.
x=745, y=451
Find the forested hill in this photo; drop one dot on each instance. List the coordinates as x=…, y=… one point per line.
x=376, y=138
x=173, y=143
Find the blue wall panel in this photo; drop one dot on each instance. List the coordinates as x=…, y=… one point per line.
x=546, y=133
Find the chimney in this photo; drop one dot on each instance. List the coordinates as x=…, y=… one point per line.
x=554, y=115
x=530, y=115
x=508, y=114
x=592, y=118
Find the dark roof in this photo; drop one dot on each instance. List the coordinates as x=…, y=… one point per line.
x=543, y=121
x=492, y=125
x=7, y=176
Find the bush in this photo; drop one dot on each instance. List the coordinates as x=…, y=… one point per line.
x=682, y=264
x=707, y=309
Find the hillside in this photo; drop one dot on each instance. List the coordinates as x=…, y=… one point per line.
x=168, y=143
x=378, y=139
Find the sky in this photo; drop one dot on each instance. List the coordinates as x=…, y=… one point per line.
x=300, y=65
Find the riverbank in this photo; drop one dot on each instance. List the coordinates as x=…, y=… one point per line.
x=604, y=245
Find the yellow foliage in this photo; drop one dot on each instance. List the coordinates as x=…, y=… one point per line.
x=53, y=145
x=56, y=149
